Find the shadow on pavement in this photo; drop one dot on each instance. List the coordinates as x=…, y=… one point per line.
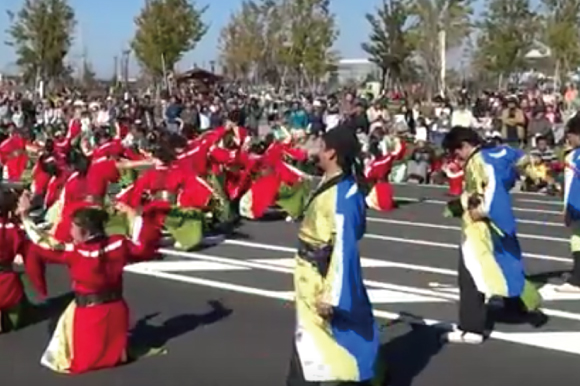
x=50, y=310
x=542, y=278
x=399, y=203
x=407, y=355
x=145, y=334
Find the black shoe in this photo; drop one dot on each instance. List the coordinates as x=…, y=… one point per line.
x=537, y=319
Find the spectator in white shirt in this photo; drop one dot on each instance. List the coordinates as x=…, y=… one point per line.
x=462, y=116
x=103, y=117
x=51, y=114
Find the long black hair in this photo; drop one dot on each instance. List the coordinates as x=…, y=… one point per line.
x=91, y=220
x=344, y=142
x=47, y=161
x=78, y=161
x=458, y=135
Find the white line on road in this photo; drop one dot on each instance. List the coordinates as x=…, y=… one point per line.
x=542, y=340
x=543, y=202
x=515, y=208
x=428, y=243
x=440, y=187
x=370, y=283
x=457, y=228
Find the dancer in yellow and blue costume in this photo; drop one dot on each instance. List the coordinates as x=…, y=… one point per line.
x=336, y=338
x=491, y=257
x=572, y=201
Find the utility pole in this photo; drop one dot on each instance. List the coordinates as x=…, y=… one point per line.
x=116, y=69
x=125, y=66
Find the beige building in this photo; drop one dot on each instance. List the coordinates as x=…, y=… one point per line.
x=356, y=70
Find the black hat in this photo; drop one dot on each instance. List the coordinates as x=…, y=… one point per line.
x=344, y=142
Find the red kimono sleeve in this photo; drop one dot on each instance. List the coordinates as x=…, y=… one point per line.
x=39, y=251
x=296, y=154
x=222, y=156
x=144, y=243
x=100, y=175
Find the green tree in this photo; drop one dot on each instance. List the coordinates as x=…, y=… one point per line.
x=389, y=46
x=312, y=33
x=432, y=17
x=41, y=35
x=507, y=31
x=166, y=29
x=560, y=32
x=242, y=42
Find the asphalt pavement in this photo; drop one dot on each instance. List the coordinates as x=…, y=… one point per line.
x=226, y=317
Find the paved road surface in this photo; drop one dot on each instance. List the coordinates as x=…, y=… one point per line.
x=226, y=317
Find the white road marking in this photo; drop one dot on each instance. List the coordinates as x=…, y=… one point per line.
x=382, y=296
x=542, y=202
x=540, y=223
x=565, y=341
x=548, y=292
x=514, y=192
x=457, y=228
x=369, y=283
x=189, y=266
x=560, y=341
x=427, y=243
x=515, y=208
x=290, y=263
x=140, y=269
x=456, y=247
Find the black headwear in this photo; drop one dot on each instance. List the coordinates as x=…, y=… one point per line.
x=344, y=142
x=458, y=135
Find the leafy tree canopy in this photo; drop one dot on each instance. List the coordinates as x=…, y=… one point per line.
x=389, y=45
x=41, y=33
x=167, y=29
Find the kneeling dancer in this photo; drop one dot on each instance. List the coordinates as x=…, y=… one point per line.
x=92, y=333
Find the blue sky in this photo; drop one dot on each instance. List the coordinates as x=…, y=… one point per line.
x=107, y=27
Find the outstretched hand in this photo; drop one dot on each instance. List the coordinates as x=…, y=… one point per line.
x=24, y=203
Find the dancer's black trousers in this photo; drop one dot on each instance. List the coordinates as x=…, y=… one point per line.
x=472, y=307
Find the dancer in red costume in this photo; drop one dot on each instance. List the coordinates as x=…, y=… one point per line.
x=89, y=182
x=13, y=155
x=173, y=198
x=380, y=197
x=48, y=176
x=93, y=331
x=278, y=182
x=454, y=173
x=13, y=244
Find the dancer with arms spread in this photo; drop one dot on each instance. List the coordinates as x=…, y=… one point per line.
x=92, y=333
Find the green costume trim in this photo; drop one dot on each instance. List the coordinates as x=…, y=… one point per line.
x=220, y=205
x=454, y=209
x=292, y=199
x=186, y=226
x=531, y=297
x=128, y=176
x=118, y=223
x=135, y=352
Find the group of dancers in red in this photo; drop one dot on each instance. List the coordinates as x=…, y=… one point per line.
x=187, y=184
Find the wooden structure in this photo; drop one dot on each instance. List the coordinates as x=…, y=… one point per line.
x=199, y=77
